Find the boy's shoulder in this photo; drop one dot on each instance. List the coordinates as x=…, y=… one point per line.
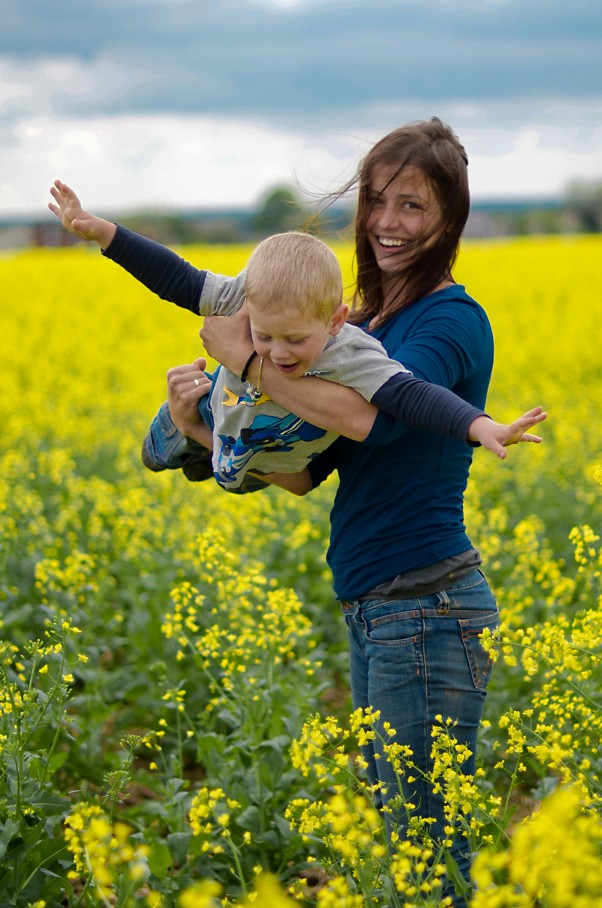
x=356, y=359
x=352, y=336
x=352, y=343
x=222, y=295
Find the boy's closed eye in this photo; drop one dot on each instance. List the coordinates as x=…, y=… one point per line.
x=264, y=338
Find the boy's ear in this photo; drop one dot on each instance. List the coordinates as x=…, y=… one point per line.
x=339, y=318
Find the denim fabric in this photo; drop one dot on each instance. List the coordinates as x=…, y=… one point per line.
x=415, y=659
x=166, y=448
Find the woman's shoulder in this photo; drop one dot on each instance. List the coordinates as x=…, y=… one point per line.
x=452, y=293
x=451, y=299
x=449, y=315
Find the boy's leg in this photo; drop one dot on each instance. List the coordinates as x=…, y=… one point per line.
x=166, y=448
x=164, y=443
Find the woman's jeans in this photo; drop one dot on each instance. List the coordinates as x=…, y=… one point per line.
x=414, y=660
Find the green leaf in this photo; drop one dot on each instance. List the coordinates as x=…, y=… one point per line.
x=9, y=831
x=250, y=819
x=453, y=871
x=178, y=843
x=159, y=859
x=49, y=803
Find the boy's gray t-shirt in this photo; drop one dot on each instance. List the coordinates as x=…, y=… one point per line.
x=262, y=436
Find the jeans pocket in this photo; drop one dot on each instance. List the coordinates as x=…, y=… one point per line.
x=388, y=625
x=479, y=660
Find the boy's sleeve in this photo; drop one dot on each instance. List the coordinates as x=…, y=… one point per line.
x=426, y=406
x=222, y=295
x=158, y=268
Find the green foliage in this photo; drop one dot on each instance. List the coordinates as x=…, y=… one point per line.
x=280, y=210
x=163, y=643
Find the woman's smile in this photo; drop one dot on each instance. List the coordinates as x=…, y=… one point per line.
x=405, y=214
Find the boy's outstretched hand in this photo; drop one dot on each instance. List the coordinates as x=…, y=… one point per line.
x=82, y=224
x=497, y=436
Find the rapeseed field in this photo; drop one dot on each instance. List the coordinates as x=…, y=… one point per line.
x=175, y=728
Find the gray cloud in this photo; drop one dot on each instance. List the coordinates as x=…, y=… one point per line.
x=209, y=102
x=236, y=57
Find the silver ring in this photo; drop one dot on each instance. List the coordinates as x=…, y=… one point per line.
x=197, y=382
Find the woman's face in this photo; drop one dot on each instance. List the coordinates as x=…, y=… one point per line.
x=404, y=216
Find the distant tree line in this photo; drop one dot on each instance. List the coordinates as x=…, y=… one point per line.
x=281, y=208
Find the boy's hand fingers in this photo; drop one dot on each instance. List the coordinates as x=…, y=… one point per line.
x=496, y=448
x=535, y=438
x=537, y=414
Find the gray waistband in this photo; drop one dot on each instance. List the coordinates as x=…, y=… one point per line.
x=428, y=580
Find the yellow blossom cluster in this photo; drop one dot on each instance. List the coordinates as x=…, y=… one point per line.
x=102, y=850
x=237, y=646
x=210, y=810
x=552, y=861
x=225, y=596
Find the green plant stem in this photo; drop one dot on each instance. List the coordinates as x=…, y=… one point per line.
x=239, y=869
x=51, y=857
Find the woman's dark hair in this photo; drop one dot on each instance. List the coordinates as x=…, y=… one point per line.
x=431, y=147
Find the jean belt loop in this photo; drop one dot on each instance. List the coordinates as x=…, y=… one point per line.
x=444, y=602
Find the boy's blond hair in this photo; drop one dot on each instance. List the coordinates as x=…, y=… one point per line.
x=297, y=271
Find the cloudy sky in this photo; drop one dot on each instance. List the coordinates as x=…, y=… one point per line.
x=206, y=103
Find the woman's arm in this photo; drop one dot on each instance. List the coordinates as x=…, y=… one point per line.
x=322, y=403
x=297, y=483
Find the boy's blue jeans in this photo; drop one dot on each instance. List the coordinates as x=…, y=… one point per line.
x=414, y=660
x=166, y=448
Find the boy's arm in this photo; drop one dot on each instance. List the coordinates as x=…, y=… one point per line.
x=497, y=436
x=155, y=266
x=437, y=409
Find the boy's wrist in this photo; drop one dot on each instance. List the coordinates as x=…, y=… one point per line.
x=104, y=232
x=474, y=435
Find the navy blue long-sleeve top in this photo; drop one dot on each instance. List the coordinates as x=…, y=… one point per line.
x=399, y=505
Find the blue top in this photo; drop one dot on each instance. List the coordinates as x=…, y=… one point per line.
x=399, y=506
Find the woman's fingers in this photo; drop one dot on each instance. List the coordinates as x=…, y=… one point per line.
x=188, y=382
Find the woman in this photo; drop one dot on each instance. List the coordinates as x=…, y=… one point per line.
x=404, y=569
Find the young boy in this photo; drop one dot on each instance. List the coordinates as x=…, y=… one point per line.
x=292, y=289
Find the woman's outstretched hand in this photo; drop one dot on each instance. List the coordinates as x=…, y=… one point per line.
x=496, y=437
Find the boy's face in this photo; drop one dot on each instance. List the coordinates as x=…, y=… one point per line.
x=292, y=341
